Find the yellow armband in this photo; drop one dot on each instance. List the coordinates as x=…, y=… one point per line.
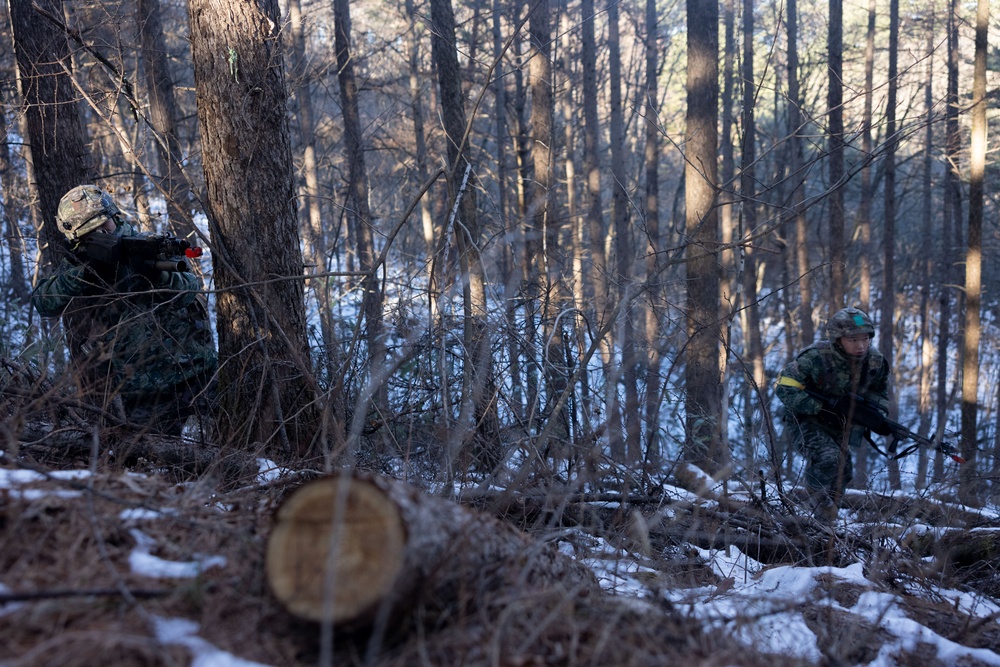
x=785, y=381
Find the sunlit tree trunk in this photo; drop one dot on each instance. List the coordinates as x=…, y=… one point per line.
x=753, y=356
x=266, y=389
x=969, y=480
x=702, y=365
x=543, y=226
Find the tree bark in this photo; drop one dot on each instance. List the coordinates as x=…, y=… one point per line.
x=951, y=215
x=753, y=356
x=702, y=364
x=929, y=263
x=888, y=301
x=796, y=120
x=11, y=201
x=57, y=144
x=479, y=418
x=654, y=298
x=376, y=390
x=969, y=480
x=265, y=385
x=835, y=147
x=353, y=550
x=172, y=181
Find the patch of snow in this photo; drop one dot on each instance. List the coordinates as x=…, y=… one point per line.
x=182, y=631
x=9, y=607
x=268, y=470
x=881, y=609
x=146, y=564
x=136, y=514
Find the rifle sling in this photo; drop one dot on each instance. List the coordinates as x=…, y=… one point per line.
x=891, y=454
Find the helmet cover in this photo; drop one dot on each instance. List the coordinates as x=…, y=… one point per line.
x=849, y=322
x=83, y=209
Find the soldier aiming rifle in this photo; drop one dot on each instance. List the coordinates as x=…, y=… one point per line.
x=136, y=321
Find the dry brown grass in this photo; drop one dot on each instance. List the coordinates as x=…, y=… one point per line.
x=62, y=544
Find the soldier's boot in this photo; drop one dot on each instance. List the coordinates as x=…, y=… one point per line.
x=824, y=509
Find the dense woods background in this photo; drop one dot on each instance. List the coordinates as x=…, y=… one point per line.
x=579, y=237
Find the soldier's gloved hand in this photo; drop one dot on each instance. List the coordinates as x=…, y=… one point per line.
x=101, y=274
x=845, y=405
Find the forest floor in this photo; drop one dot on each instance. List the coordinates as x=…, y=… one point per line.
x=134, y=567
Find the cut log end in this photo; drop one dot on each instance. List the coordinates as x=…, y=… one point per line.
x=335, y=551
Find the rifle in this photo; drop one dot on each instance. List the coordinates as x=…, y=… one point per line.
x=863, y=413
x=145, y=253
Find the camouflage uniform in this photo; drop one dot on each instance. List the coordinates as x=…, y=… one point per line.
x=145, y=338
x=822, y=436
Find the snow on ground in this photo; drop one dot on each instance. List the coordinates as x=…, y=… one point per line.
x=760, y=605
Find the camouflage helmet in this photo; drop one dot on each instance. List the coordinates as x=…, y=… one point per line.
x=83, y=209
x=849, y=322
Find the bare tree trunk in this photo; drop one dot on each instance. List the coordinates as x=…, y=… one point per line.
x=888, y=300
x=13, y=208
x=316, y=245
x=653, y=244
x=265, y=382
x=795, y=166
x=595, y=210
x=57, y=143
x=357, y=186
x=573, y=234
x=864, y=221
x=525, y=175
x=511, y=279
x=630, y=448
x=478, y=416
x=969, y=480
x=542, y=246
x=172, y=182
x=835, y=147
x=952, y=213
x=753, y=357
x=729, y=289
x=702, y=364
x=929, y=263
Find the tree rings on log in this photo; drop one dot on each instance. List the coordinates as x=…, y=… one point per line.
x=336, y=548
x=347, y=549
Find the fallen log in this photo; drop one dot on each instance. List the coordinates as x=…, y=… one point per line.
x=353, y=548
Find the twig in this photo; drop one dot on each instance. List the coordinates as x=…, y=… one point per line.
x=27, y=596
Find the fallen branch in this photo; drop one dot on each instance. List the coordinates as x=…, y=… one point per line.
x=350, y=549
